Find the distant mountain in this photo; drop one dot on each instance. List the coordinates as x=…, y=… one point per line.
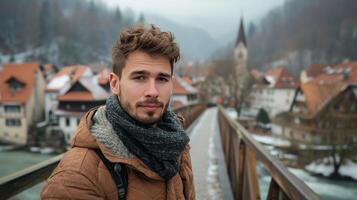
x=303, y=32
x=195, y=43
x=60, y=32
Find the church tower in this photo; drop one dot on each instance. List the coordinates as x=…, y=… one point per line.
x=241, y=51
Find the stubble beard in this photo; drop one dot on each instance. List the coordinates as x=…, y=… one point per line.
x=149, y=119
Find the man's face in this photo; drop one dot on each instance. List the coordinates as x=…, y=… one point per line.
x=145, y=86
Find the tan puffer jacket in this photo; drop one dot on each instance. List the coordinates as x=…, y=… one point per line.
x=82, y=175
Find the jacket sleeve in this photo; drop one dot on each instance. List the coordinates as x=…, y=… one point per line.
x=187, y=175
x=70, y=184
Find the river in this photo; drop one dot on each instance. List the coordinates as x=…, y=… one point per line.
x=12, y=161
x=326, y=189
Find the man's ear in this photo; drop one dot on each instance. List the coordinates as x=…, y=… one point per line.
x=114, y=83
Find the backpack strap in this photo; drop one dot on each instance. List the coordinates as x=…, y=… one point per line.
x=118, y=172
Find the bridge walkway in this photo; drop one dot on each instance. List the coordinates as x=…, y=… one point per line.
x=209, y=169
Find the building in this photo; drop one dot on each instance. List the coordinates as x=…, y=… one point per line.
x=241, y=50
x=328, y=74
x=344, y=72
x=59, y=84
x=83, y=95
x=311, y=72
x=324, y=109
x=183, y=93
x=22, y=89
x=321, y=114
x=273, y=91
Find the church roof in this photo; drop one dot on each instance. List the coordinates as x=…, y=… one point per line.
x=241, y=34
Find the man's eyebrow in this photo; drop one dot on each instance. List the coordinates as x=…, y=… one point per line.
x=141, y=72
x=144, y=72
x=165, y=75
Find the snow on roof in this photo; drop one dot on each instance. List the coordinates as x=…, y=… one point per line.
x=270, y=79
x=91, y=83
x=58, y=82
x=189, y=88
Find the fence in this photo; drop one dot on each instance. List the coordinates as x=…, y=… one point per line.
x=241, y=155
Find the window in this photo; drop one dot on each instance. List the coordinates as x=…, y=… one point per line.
x=13, y=122
x=12, y=108
x=15, y=85
x=67, y=121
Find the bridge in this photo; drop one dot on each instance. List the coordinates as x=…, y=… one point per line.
x=224, y=158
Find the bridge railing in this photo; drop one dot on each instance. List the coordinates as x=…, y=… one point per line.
x=242, y=152
x=190, y=112
x=22, y=180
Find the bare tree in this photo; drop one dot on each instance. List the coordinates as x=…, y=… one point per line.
x=230, y=83
x=341, y=147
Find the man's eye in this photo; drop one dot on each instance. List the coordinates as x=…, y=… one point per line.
x=140, y=78
x=161, y=79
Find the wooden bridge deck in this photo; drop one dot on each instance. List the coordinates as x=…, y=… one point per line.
x=209, y=169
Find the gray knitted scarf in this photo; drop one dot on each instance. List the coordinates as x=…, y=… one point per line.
x=158, y=147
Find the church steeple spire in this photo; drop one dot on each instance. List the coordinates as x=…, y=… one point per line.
x=241, y=34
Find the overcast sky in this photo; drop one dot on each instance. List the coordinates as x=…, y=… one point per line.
x=216, y=16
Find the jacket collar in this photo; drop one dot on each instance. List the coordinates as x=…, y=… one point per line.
x=85, y=139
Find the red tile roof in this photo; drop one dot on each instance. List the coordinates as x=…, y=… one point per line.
x=317, y=95
x=282, y=78
x=92, y=91
x=21, y=72
x=75, y=70
x=187, y=79
x=315, y=70
x=74, y=73
x=177, y=88
x=182, y=87
x=76, y=96
x=345, y=72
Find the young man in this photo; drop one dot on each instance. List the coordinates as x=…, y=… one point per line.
x=134, y=128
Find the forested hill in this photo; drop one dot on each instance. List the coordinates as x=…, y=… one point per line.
x=66, y=32
x=302, y=32
x=61, y=32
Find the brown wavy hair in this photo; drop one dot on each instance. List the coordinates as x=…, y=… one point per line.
x=150, y=40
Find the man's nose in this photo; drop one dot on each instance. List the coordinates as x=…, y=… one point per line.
x=152, y=89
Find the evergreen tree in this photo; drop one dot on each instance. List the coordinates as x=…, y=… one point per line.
x=262, y=117
x=46, y=25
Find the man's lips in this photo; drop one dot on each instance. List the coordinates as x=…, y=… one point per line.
x=151, y=107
